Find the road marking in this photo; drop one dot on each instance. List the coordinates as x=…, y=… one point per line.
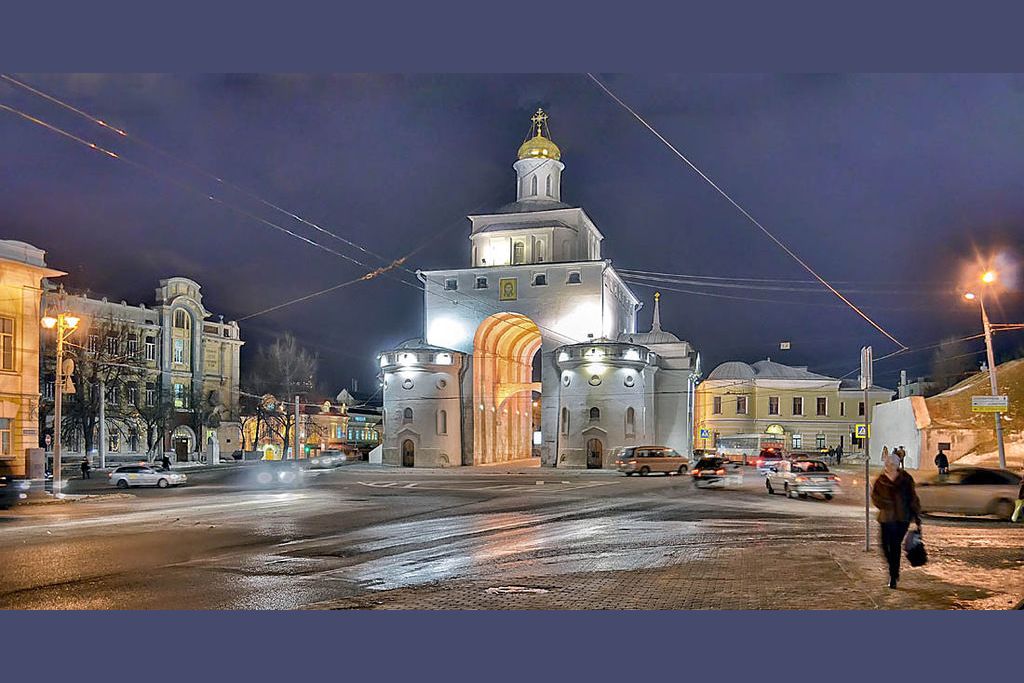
x=550, y=487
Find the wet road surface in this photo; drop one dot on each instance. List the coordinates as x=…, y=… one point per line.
x=360, y=537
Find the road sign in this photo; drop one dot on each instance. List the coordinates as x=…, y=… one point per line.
x=785, y=346
x=990, y=404
x=861, y=431
x=866, y=368
x=705, y=433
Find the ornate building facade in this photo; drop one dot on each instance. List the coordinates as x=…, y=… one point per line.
x=539, y=322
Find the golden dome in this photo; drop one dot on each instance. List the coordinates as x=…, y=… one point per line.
x=539, y=146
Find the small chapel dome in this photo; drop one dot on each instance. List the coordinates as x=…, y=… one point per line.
x=540, y=145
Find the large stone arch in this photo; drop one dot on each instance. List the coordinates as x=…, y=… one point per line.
x=503, y=350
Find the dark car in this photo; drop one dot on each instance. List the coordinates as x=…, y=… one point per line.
x=12, y=491
x=716, y=471
x=767, y=458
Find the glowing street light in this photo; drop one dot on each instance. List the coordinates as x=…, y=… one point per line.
x=65, y=325
x=988, y=277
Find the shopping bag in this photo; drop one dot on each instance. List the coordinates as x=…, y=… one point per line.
x=913, y=546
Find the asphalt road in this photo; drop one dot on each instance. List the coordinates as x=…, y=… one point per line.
x=362, y=537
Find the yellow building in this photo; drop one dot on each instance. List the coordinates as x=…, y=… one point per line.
x=22, y=270
x=768, y=402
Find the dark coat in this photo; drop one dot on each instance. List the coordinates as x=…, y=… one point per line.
x=941, y=460
x=896, y=499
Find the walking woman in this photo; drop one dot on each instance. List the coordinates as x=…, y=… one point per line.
x=894, y=495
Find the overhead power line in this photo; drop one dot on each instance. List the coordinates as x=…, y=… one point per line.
x=747, y=214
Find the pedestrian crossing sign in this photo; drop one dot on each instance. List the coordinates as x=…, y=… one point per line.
x=705, y=433
x=861, y=431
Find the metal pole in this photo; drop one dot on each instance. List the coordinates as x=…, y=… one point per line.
x=103, y=424
x=58, y=395
x=992, y=380
x=295, y=437
x=867, y=472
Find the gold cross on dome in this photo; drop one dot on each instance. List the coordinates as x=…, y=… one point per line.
x=539, y=119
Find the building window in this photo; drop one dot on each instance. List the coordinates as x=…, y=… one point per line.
x=860, y=409
x=548, y=188
x=842, y=409
x=565, y=421
x=7, y=344
x=114, y=441
x=150, y=348
x=533, y=185
x=451, y=284
x=481, y=283
x=180, y=396
x=112, y=345
x=798, y=405
x=518, y=253
x=773, y=405
x=819, y=442
x=133, y=345
x=595, y=414
x=5, y=436
x=112, y=394
x=798, y=441
x=539, y=251
x=822, y=406
x=716, y=405
x=94, y=343
x=179, y=351
x=630, y=422
x=150, y=394
x=181, y=320
x=442, y=422
x=133, y=440
x=540, y=280
x=407, y=416
x=741, y=405
x=574, y=278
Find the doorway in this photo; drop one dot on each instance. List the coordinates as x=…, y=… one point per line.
x=408, y=453
x=181, y=449
x=595, y=454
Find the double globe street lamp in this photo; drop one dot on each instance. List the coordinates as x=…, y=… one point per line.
x=64, y=324
x=988, y=278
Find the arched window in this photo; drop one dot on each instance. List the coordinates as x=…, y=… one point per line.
x=533, y=186
x=630, y=422
x=518, y=253
x=407, y=415
x=565, y=421
x=442, y=422
x=595, y=414
x=538, y=252
x=181, y=320
x=549, y=186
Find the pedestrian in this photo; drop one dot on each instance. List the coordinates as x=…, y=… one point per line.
x=901, y=453
x=166, y=462
x=894, y=494
x=839, y=454
x=85, y=468
x=942, y=462
x=831, y=454
x=1018, y=506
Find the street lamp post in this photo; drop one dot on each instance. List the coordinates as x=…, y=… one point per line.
x=65, y=325
x=988, y=278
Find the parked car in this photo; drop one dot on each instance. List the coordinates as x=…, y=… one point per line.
x=970, y=491
x=716, y=471
x=801, y=477
x=766, y=458
x=643, y=460
x=13, y=491
x=145, y=475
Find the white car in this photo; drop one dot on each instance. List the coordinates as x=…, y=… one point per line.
x=801, y=477
x=144, y=475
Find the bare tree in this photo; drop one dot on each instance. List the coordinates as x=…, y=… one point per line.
x=281, y=370
x=154, y=409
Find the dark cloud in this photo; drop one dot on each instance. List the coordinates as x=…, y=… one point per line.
x=879, y=180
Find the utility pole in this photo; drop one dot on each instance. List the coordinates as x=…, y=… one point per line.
x=295, y=438
x=866, y=380
x=992, y=380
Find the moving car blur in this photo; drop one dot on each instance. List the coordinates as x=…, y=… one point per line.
x=144, y=475
x=801, y=477
x=767, y=458
x=329, y=459
x=716, y=472
x=643, y=460
x=12, y=491
x=970, y=491
x=269, y=474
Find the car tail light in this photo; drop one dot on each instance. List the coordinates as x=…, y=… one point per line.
x=719, y=471
x=695, y=473
x=837, y=479
x=760, y=462
x=801, y=478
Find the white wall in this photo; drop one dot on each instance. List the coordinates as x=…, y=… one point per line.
x=894, y=424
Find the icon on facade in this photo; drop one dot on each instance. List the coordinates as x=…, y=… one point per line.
x=508, y=289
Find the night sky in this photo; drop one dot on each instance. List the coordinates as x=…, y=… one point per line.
x=888, y=185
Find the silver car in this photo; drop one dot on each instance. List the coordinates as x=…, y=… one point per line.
x=801, y=478
x=144, y=475
x=970, y=491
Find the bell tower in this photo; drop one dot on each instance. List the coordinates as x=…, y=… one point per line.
x=539, y=168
